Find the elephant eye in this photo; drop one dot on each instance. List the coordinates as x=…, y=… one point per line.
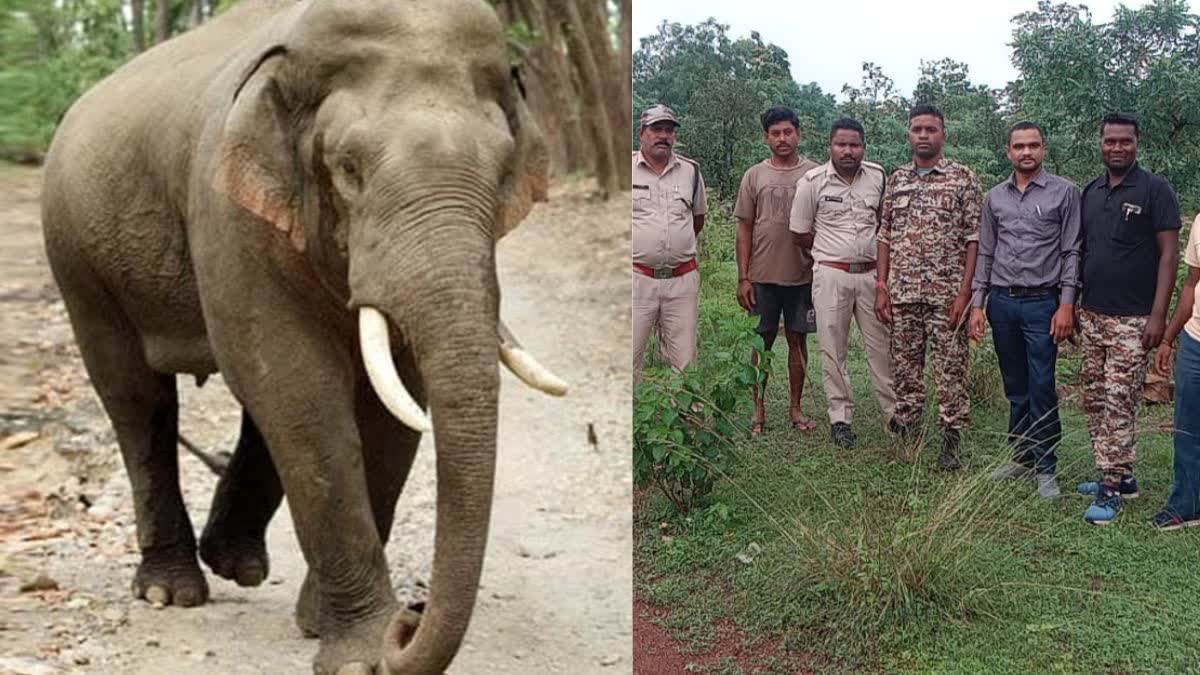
x=349, y=171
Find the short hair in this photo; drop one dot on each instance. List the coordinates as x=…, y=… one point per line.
x=924, y=109
x=1120, y=119
x=848, y=124
x=779, y=114
x=1024, y=126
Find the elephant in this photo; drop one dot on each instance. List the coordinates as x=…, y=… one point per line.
x=305, y=196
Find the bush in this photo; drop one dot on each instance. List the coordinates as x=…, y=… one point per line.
x=685, y=423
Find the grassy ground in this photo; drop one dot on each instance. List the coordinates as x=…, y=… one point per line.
x=870, y=559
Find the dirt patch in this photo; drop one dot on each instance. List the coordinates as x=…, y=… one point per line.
x=657, y=652
x=556, y=581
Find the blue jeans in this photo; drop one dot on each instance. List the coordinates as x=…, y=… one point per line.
x=1185, y=493
x=1027, y=355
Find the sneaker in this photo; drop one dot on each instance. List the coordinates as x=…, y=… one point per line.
x=842, y=435
x=1047, y=486
x=1165, y=521
x=1104, y=508
x=1128, y=488
x=1012, y=471
x=948, y=460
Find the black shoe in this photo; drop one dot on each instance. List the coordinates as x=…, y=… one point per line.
x=897, y=428
x=842, y=435
x=948, y=460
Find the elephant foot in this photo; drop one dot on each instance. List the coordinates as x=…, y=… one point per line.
x=238, y=558
x=307, y=605
x=353, y=649
x=170, y=577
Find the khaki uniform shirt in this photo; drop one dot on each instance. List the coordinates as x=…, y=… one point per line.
x=765, y=198
x=843, y=216
x=1191, y=256
x=663, y=207
x=926, y=222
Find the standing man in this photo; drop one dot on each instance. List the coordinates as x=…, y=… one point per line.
x=927, y=247
x=775, y=275
x=835, y=215
x=1183, y=506
x=1130, y=250
x=1028, y=270
x=668, y=213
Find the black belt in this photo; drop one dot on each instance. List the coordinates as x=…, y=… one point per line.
x=1026, y=291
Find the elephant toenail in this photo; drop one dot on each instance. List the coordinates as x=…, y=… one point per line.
x=158, y=596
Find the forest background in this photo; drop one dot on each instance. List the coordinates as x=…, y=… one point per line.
x=573, y=57
x=1071, y=70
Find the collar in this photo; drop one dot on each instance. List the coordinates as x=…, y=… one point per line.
x=943, y=166
x=673, y=162
x=1131, y=179
x=832, y=173
x=1039, y=178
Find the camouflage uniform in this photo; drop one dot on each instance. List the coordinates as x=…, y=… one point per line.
x=927, y=222
x=1113, y=371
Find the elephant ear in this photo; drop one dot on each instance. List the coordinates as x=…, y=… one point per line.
x=257, y=169
x=530, y=178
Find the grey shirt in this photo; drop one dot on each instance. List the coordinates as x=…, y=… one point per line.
x=1029, y=239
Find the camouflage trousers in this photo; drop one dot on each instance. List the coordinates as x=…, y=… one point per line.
x=913, y=326
x=1113, y=374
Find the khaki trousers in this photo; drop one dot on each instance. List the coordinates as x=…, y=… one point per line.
x=839, y=297
x=671, y=305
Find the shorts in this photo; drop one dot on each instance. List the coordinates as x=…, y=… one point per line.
x=795, y=303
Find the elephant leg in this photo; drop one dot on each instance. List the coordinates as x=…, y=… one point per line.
x=302, y=400
x=143, y=406
x=389, y=448
x=234, y=544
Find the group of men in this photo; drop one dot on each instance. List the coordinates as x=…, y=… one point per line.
x=923, y=259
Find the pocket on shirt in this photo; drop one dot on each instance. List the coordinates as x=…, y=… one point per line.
x=642, y=201
x=681, y=207
x=1134, y=231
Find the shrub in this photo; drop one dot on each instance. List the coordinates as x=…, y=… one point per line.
x=685, y=423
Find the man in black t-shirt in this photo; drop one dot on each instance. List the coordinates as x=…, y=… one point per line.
x=1131, y=224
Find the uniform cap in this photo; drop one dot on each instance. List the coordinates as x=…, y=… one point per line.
x=658, y=113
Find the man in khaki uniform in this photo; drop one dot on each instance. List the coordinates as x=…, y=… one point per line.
x=774, y=274
x=835, y=215
x=668, y=213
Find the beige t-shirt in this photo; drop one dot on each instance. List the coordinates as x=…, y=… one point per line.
x=1191, y=256
x=765, y=198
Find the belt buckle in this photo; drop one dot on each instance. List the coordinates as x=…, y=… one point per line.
x=856, y=268
x=664, y=272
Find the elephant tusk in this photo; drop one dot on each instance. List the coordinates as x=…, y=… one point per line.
x=526, y=368
x=377, y=358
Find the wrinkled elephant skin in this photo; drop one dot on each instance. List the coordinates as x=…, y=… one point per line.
x=233, y=200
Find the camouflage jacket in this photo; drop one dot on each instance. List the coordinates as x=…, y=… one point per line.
x=926, y=223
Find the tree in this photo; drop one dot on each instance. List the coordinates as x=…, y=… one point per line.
x=1146, y=61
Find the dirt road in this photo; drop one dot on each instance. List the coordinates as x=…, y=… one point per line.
x=556, y=582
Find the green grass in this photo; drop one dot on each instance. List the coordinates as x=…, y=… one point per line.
x=872, y=560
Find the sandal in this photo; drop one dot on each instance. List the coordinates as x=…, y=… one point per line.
x=757, y=427
x=804, y=425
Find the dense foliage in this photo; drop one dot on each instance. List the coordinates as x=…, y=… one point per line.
x=1071, y=71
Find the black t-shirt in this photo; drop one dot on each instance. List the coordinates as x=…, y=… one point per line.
x=1120, y=247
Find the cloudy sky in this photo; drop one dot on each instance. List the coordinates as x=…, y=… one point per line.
x=828, y=41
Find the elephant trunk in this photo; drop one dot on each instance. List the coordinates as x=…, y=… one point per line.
x=462, y=381
x=445, y=301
